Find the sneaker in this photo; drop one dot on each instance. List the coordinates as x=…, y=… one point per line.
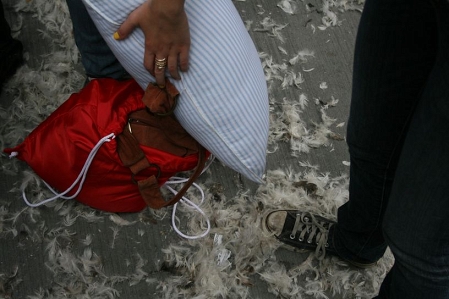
x=302, y=232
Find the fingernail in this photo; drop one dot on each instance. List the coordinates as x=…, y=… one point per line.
x=116, y=36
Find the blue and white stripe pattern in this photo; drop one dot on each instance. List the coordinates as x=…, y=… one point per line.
x=224, y=100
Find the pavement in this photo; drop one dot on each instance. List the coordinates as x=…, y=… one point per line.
x=306, y=50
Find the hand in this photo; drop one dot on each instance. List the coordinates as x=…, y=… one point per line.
x=167, y=35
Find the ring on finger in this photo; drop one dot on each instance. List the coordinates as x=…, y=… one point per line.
x=160, y=63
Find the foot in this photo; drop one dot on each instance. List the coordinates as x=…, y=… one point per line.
x=303, y=231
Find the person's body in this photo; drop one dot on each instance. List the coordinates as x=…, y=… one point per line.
x=204, y=49
x=11, y=50
x=96, y=56
x=397, y=128
x=166, y=31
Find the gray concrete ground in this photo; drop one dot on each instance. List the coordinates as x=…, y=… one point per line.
x=25, y=260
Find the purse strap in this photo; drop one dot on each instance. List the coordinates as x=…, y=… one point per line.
x=198, y=170
x=133, y=157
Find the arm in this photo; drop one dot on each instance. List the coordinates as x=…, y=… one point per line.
x=166, y=29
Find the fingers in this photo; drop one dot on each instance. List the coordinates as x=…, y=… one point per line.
x=156, y=65
x=159, y=70
x=153, y=63
x=175, y=63
x=148, y=60
x=184, y=60
x=166, y=34
x=127, y=27
x=172, y=66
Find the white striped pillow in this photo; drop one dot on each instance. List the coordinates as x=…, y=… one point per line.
x=224, y=101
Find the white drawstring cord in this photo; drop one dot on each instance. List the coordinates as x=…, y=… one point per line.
x=81, y=177
x=186, y=201
x=13, y=154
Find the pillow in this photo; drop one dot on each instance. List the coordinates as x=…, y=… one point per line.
x=223, y=100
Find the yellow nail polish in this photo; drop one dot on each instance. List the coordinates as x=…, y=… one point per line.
x=116, y=35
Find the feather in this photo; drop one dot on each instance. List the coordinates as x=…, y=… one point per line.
x=120, y=221
x=288, y=6
x=115, y=230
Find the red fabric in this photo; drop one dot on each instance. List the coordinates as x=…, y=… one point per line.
x=57, y=149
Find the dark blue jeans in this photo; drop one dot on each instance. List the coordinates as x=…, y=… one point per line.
x=96, y=57
x=399, y=146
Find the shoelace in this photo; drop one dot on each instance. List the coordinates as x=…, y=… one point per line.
x=82, y=177
x=312, y=229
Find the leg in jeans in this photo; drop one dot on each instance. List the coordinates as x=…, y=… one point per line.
x=10, y=50
x=96, y=57
x=5, y=30
x=395, y=51
x=416, y=223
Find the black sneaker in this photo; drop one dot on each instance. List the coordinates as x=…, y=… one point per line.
x=303, y=231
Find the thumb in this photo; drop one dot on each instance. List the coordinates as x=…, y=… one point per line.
x=127, y=27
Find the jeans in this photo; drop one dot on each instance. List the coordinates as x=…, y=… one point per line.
x=399, y=149
x=96, y=57
x=5, y=30
x=11, y=50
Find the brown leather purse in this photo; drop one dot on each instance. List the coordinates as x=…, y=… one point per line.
x=157, y=127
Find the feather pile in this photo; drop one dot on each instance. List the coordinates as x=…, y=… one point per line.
x=236, y=255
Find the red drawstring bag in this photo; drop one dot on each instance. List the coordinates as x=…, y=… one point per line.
x=76, y=149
